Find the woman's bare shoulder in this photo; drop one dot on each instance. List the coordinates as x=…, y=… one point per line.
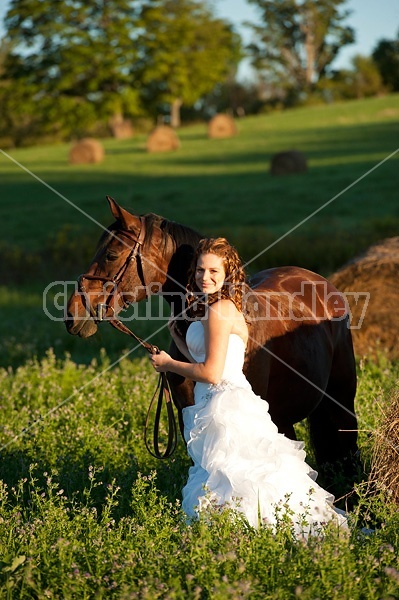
x=223, y=309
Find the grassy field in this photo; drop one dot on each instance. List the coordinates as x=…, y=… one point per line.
x=85, y=511
x=219, y=187
x=211, y=185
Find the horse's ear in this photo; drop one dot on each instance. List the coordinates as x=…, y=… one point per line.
x=127, y=220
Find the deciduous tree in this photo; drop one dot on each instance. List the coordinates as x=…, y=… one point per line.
x=386, y=56
x=361, y=81
x=184, y=52
x=296, y=41
x=76, y=53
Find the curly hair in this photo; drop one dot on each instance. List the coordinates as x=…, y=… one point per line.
x=233, y=286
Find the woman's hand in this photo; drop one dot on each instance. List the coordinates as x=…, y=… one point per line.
x=161, y=361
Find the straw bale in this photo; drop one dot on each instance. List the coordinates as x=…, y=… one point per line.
x=163, y=139
x=222, y=126
x=384, y=473
x=87, y=150
x=376, y=271
x=288, y=162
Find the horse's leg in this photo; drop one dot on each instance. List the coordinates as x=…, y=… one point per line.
x=182, y=395
x=333, y=425
x=182, y=389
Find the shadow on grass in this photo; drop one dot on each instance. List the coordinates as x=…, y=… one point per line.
x=75, y=474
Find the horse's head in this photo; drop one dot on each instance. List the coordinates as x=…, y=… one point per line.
x=127, y=267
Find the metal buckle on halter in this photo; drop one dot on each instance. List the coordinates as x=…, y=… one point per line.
x=102, y=308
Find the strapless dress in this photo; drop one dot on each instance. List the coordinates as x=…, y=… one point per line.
x=240, y=460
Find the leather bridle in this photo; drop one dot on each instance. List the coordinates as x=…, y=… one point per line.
x=162, y=389
x=134, y=254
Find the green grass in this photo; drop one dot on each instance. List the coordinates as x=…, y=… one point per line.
x=211, y=184
x=85, y=511
x=220, y=187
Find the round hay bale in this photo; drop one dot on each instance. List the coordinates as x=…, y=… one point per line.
x=122, y=130
x=163, y=139
x=288, y=162
x=370, y=283
x=384, y=472
x=87, y=150
x=222, y=126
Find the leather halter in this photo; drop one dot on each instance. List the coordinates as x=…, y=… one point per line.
x=162, y=389
x=135, y=252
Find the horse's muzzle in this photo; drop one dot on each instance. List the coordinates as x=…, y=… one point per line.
x=84, y=328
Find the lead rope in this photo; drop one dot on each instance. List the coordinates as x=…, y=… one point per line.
x=162, y=391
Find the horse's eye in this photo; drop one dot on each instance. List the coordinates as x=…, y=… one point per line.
x=111, y=256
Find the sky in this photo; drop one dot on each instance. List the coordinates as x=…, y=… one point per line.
x=372, y=21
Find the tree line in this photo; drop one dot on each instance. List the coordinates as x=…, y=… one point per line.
x=67, y=67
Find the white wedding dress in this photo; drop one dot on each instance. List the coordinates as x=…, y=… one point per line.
x=240, y=459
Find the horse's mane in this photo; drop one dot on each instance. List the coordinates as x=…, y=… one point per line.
x=181, y=234
x=185, y=241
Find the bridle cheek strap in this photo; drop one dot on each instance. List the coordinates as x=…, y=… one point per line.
x=135, y=253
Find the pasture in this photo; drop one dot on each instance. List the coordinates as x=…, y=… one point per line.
x=220, y=187
x=85, y=511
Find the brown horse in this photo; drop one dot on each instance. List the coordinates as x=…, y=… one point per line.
x=299, y=356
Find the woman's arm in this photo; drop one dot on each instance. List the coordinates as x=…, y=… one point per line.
x=217, y=327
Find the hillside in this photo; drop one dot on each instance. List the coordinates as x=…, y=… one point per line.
x=214, y=184
x=347, y=200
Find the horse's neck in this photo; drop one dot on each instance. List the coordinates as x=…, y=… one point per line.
x=174, y=288
x=179, y=261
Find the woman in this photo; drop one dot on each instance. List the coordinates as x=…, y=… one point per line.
x=240, y=459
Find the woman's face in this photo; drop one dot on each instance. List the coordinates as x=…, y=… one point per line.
x=210, y=273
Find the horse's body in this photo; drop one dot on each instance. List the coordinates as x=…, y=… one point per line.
x=299, y=355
